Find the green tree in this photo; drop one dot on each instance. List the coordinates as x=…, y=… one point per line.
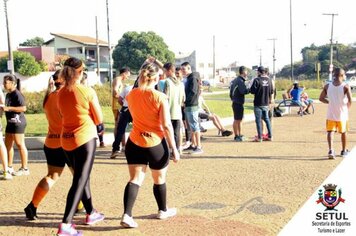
x=34, y=42
x=24, y=63
x=133, y=48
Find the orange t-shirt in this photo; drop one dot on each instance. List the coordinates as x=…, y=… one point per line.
x=54, y=121
x=79, y=117
x=144, y=106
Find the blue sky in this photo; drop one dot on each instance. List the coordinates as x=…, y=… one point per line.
x=241, y=28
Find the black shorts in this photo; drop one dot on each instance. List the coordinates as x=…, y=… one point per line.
x=238, y=110
x=156, y=157
x=203, y=115
x=12, y=128
x=56, y=157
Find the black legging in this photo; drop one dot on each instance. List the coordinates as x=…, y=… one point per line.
x=81, y=159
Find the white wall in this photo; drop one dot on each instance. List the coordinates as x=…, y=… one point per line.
x=39, y=83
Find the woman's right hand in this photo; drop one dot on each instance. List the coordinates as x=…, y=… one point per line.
x=176, y=155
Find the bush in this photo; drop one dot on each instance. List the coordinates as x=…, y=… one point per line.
x=34, y=102
x=285, y=84
x=24, y=63
x=104, y=94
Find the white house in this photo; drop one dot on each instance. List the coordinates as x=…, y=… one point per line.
x=82, y=47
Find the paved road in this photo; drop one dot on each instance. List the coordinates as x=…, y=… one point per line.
x=231, y=189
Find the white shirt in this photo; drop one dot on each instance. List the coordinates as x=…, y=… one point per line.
x=337, y=108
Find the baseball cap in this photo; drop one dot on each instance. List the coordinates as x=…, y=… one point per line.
x=261, y=69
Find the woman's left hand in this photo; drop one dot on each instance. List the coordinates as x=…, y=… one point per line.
x=176, y=155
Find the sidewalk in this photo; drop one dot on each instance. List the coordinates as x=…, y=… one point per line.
x=233, y=188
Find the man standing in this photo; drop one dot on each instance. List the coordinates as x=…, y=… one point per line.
x=337, y=95
x=117, y=87
x=192, y=90
x=237, y=94
x=262, y=88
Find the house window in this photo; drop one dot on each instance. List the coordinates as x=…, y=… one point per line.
x=210, y=65
x=74, y=51
x=91, y=54
x=61, y=51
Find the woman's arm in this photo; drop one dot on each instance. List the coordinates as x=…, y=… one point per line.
x=95, y=110
x=15, y=109
x=168, y=129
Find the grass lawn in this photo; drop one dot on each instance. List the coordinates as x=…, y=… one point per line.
x=218, y=103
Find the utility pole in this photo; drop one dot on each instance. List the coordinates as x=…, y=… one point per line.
x=274, y=57
x=10, y=62
x=331, y=67
x=109, y=45
x=97, y=49
x=260, y=56
x=291, y=41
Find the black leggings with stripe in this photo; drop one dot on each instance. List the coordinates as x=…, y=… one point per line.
x=81, y=159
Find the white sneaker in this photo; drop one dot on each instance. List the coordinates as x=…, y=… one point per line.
x=170, y=212
x=21, y=171
x=331, y=154
x=128, y=222
x=6, y=176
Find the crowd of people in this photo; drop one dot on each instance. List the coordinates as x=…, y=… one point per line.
x=164, y=101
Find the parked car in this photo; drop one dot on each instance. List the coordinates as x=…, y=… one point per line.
x=352, y=82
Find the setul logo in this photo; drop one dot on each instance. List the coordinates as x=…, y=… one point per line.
x=330, y=198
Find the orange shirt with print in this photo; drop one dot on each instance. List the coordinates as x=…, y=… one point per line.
x=144, y=106
x=79, y=118
x=54, y=121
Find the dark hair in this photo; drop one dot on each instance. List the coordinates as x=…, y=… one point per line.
x=13, y=79
x=168, y=66
x=338, y=71
x=178, y=68
x=69, y=70
x=242, y=69
x=55, y=76
x=124, y=70
x=185, y=64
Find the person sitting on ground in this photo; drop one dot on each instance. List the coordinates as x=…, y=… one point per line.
x=204, y=113
x=295, y=94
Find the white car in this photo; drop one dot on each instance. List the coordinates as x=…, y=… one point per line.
x=352, y=82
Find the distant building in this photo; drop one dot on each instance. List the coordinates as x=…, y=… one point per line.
x=199, y=63
x=45, y=54
x=84, y=48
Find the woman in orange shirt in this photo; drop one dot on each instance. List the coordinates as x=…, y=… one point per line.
x=81, y=112
x=147, y=144
x=55, y=156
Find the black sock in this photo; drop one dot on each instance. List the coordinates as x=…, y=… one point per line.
x=131, y=191
x=160, y=192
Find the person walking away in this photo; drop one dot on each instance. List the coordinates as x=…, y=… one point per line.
x=337, y=94
x=55, y=155
x=238, y=90
x=14, y=108
x=81, y=112
x=147, y=144
x=262, y=89
x=192, y=90
x=5, y=173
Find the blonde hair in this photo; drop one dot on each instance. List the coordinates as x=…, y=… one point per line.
x=147, y=76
